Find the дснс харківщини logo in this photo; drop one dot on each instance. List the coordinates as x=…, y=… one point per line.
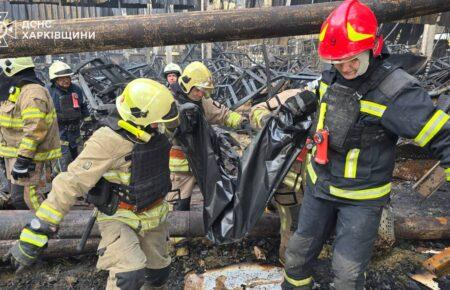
x=7, y=29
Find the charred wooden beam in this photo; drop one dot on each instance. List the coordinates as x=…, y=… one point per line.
x=422, y=228
x=57, y=248
x=190, y=224
x=109, y=33
x=184, y=224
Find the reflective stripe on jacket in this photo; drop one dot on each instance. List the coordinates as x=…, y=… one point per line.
x=28, y=125
x=402, y=108
x=103, y=156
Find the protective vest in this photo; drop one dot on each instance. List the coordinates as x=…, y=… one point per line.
x=147, y=181
x=361, y=151
x=340, y=107
x=150, y=175
x=67, y=104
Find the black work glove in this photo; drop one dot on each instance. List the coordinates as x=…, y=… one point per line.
x=21, y=168
x=188, y=113
x=33, y=240
x=245, y=125
x=302, y=104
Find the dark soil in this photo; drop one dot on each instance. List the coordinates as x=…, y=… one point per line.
x=387, y=270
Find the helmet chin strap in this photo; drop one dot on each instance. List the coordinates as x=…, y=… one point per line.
x=363, y=62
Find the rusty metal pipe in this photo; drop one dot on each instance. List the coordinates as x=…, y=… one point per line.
x=190, y=224
x=123, y=32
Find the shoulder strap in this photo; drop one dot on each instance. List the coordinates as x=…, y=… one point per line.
x=379, y=74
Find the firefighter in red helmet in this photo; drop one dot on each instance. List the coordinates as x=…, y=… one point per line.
x=364, y=104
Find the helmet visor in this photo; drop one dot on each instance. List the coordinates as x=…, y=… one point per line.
x=207, y=91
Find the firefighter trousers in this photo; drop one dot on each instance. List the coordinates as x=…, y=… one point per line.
x=69, y=153
x=128, y=256
x=287, y=203
x=182, y=185
x=356, y=228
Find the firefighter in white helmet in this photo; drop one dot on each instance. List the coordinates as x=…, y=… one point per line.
x=195, y=86
x=71, y=110
x=172, y=72
x=29, y=131
x=126, y=163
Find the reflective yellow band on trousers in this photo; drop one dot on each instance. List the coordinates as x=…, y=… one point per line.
x=233, y=120
x=447, y=174
x=431, y=128
x=298, y=283
x=293, y=180
x=49, y=214
x=33, y=238
x=372, y=108
x=143, y=221
x=178, y=165
x=11, y=152
x=361, y=194
x=34, y=198
x=351, y=163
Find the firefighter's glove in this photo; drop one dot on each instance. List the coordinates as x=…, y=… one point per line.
x=21, y=168
x=302, y=104
x=33, y=240
x=245, y=125
x=188, y=117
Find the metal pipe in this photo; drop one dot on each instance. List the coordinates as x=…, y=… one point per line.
x=122, y=32
x=190, y=224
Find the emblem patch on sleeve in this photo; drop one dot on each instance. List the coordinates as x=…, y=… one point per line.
x=87, y=165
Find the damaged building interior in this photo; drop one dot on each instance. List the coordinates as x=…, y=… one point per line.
x=256, y=142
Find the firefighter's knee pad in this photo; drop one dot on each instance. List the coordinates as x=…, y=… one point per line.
x=131, y=280
x=157, y=277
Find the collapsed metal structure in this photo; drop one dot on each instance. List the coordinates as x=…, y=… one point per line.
x=240, y=80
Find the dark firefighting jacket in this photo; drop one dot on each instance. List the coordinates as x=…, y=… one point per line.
x=393, y=104
x=69, y=114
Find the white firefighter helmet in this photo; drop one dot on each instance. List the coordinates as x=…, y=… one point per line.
x=59, y=69
x=172, y=68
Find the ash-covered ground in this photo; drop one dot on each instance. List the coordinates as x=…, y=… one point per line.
x=388, y=270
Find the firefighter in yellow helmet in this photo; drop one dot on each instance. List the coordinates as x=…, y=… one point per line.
x=125, y=162
x=195, y=85
x=29, y=131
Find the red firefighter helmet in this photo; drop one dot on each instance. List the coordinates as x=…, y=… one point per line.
x=348, y=31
